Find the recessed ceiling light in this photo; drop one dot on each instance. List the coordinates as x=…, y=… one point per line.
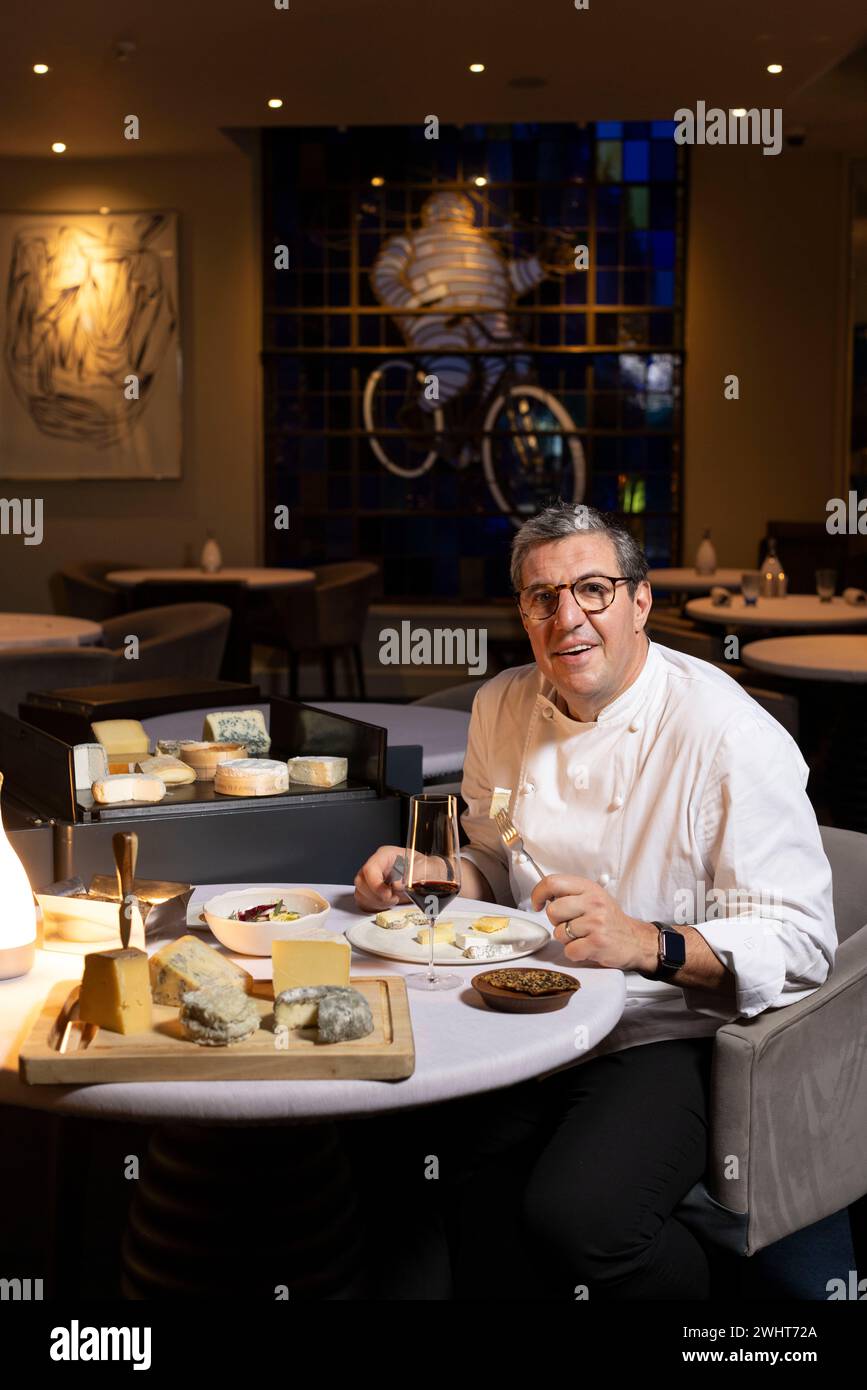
x=480, y=181
x=275, y=103
x=40, y=68
x=477, y=67
x=775, y=68
x=738, y=111
x=58, y=147
x=377, y=181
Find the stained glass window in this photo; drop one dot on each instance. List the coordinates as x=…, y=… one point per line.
x=605, y=342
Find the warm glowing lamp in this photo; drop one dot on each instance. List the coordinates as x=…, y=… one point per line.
x=17, y=912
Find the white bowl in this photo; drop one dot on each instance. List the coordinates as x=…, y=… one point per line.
x=255, y=938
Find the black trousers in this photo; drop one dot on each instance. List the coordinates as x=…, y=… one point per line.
x=565, y=1188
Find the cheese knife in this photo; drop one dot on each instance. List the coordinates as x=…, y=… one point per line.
x=125, y=846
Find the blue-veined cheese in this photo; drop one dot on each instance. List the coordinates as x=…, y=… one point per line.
x=245, y=726
x=188, y=964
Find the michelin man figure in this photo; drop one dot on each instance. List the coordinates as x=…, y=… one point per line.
x=456, y=266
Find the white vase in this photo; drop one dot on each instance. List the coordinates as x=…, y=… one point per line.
x=17, y=912
x=211, y=557
x=705, y=556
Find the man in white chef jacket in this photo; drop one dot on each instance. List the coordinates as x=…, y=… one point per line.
x=668, y=817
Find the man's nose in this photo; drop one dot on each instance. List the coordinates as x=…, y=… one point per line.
x=569, y=613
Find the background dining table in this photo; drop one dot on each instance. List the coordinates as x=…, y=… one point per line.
x=797, y=612
x=253, y=576
x=683, y=580
x=46, y=630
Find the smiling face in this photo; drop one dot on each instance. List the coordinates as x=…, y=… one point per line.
x=590, y=658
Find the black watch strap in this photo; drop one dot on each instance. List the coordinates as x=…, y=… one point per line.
x=672, y=953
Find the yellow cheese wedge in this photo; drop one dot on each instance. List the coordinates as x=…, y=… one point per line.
x=299, y=963
x=124, y=740
x=444, y=935
x=115, y=991
x=188, y=964
x=489, y=924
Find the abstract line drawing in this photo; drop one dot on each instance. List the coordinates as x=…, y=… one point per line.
x=90, y=333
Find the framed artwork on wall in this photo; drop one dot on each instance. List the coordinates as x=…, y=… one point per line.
x=90, y=382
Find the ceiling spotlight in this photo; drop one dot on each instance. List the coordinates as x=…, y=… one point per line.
x=377, y=181
x=480, y=181
x=58, y=147
x=275, y=103
x=775, y=68
x=40, y=68
x=477, y=67
x=738, y=111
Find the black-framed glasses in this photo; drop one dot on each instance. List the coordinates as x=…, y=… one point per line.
x=593, y=594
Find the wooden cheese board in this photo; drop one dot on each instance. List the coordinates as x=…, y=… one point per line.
x=61, y=1050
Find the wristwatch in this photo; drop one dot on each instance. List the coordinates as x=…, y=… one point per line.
x=672, y=953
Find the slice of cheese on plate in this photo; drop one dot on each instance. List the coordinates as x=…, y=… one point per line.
x=490, y=924
x=444, y=935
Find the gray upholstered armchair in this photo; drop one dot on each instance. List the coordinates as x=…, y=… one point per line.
x=789, y=1095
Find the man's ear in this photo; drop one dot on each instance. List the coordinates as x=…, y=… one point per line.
x=643, y=602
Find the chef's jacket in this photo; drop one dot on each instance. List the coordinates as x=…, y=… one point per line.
x=687, y=802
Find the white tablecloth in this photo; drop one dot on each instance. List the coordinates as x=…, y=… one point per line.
x=442, y=733
x=833, y=657
x=794, y=611
x=254, y=577
x=686, y=581
x=462, y=1047
x=46, y=630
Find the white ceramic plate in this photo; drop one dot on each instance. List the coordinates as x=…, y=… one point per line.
x=255, y=938
x=523, y=934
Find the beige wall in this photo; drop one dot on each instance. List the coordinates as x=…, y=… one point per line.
x=767, y=292
x=152, y=522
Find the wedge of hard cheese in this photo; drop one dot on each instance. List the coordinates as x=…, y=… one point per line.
x=188, y=964
x=128, y=786
x=115, y=991
x=301, y=963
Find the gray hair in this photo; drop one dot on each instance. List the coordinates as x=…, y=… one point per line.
x=564, y=519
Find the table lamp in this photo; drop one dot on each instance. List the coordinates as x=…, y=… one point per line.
x=17, y=912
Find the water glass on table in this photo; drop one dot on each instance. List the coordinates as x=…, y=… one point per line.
x=826, y=584
x=750, y=584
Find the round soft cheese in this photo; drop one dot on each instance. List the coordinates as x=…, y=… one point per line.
x=251, y=777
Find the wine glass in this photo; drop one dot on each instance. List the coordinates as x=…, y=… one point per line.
x=433, y=872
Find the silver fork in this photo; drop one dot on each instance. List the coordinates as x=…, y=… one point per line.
x=511, y=838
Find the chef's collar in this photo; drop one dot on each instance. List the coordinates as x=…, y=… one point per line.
x=627, y=707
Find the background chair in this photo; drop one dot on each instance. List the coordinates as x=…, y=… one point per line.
x=182, y=639
x=81, y=591
x=323, y=621
x=23, y=669
x=234, y=596
x=789, y=1097
x=669, y=629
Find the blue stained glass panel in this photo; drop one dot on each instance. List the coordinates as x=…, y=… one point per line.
x=609, y=130
x=608, y=249
x=609, y=202
x=662, y=287
x=663, y=250
x=636, y=161
x=608, y=287
x=662, y=130
x=663, y=160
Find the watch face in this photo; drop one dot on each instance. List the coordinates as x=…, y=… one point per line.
x=673, y=948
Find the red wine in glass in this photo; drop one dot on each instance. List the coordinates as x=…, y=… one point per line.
x=431, y=896
x=433, y=873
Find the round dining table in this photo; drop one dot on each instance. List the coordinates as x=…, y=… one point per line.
x=813, y=657
x=255, y=577
x=46, y=630
x=688, y=581
x=800, y=612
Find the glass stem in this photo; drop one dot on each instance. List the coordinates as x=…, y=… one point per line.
x=431, y=972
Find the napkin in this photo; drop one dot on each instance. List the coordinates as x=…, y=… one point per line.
x=719, y=597
x=854, y=596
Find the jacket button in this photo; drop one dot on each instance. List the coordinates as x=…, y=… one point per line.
x=547, y=712
x=520, y=858
x=604, y=880
x=616, y=803
x=634, y=727
x=580, y=782
x=528, y=787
